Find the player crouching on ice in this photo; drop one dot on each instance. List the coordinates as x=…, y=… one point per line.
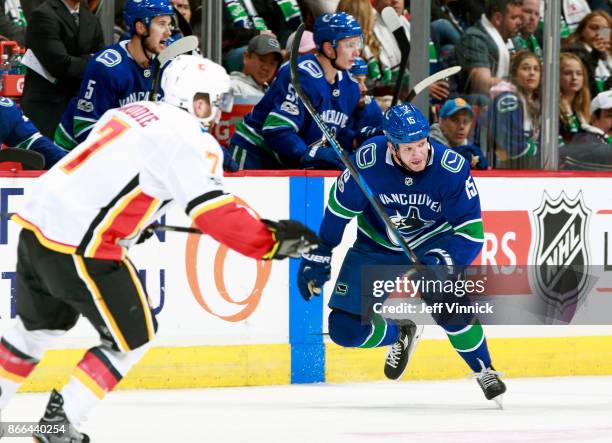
x=439, y=218
x=83, y=215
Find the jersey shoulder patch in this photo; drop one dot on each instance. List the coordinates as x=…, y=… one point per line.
x=311, y=67
x=365, y=156
x=452, y=161
x=507, y=103
x=6, y=102
x=109, y=58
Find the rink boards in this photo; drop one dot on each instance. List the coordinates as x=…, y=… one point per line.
x=226, y=320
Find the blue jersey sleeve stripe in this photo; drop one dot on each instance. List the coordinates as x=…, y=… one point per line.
x=473, y=239
x=27, y=143
x=274, y=121
x=337, y=208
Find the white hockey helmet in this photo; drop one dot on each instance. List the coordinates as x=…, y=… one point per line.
x=188, y=75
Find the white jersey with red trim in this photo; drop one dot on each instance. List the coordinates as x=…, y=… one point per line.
x=135, y=161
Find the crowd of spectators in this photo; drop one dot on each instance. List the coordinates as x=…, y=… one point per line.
x=490, y=112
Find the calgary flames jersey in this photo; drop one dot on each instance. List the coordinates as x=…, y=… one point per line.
x=137, y=160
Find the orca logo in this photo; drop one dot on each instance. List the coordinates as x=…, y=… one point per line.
x=561, y=255
x=409, y=225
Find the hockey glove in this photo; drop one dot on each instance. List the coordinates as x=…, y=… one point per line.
x=229, y=164
x=292, y=239
x=315, y=270
x=321, y=157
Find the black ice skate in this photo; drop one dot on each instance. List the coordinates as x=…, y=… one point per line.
x=401, y=351
x=55, y=419
x=490, y=383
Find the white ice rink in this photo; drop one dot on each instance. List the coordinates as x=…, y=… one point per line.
x=567, y=409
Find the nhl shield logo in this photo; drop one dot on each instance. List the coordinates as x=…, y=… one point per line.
x=562, y=256
x=408, y=181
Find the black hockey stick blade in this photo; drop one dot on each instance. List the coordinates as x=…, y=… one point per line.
x=29, y=160
x=170, y=228
x=376, y=205
x=427, y=82
x=392, y=22
x=181, y=46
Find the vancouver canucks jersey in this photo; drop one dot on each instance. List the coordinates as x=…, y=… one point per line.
x=17, y=131
x=440, y=200
x=280, y=125
x=112, y=79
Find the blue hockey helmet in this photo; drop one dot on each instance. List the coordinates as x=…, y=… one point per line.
x=360, y=67
x=144, y=11
x=404, y=123
x=334, y=27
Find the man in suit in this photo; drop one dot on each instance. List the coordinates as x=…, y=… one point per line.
x=63, y=34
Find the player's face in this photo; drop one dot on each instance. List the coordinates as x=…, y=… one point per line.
x=347, y=50
x=530, y=16
x=457, y=127
x=412, y=155
x=363, y=89
x=528, y=74
x=201, y=106
x=261, y=67
x=571, y=77
x=159, y=32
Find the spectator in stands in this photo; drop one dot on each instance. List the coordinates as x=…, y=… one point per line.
x=280, y=133
x=446, y=28
x=527, y=37
x=575, y=98
x=601, y=5
x=13, y=23
x=16, y=131
x=482, y=51
x=592, y=42
x=261, y=60
x=62, y=35
x=120, y=73
x=453, y=130
x=184, y=8
x=514, y=115
x=245, y=19
x=600, y=129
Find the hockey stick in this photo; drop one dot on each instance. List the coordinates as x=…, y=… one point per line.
x=340, y=151
x=427, y=82
x=181, y=46
x=392, y=22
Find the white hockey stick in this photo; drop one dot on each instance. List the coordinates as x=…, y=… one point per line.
x=181, y=46
x=392, y=22
x=427, y=82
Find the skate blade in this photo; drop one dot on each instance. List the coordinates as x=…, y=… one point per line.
x=499, y=400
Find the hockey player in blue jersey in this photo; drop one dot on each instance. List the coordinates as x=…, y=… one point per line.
x=279, y=133
x=120, y=73
x=368, y=119
x=427, y=190
x=17, y=131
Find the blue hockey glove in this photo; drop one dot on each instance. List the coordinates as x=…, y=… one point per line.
x=229, y=164
x=322, y=157
x=315, y=270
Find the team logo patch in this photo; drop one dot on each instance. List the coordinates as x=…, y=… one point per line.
x=507, y=103
x=336, y=92
x=366, y=156
x=312, y=68
x=290, y=108
x=84, y=105
x=6, y=102
x=408, y=181
x=147, y=73
x=109, y=58
x=452, y=161
x=341, y=288
x=561, y=255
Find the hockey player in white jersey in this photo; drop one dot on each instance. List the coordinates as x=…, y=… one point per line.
x=83, y=215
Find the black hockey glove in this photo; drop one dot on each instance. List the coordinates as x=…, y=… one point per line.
x=292, y=239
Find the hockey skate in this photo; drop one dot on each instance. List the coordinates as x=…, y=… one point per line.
x=55, y=418
x=401, y=351
x=490, y=383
